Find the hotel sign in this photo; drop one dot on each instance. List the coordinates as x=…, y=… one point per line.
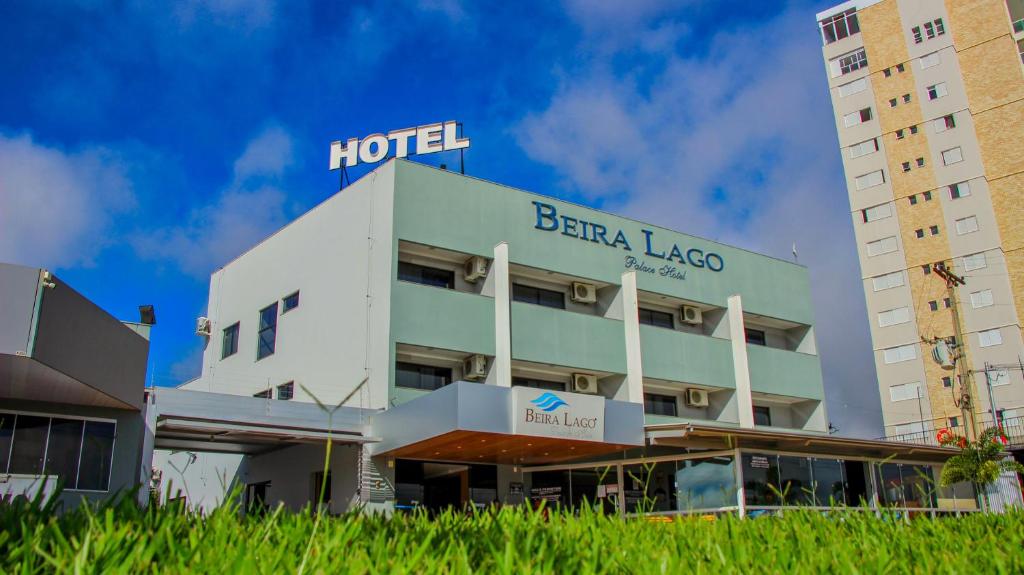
x=544, y=413
x=429, y=139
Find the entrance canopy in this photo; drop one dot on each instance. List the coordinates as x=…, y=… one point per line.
x=477, y=423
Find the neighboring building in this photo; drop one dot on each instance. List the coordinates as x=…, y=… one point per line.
x=72, y=380
x=929, y=107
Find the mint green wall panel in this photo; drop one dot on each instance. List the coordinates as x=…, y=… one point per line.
x=680, y=356
x=437, y=317
x=558, y=337
x=782, y=372
x=465, y=214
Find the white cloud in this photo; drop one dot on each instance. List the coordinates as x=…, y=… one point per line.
x=56, y=206
x=736, y=144
x=269, y=154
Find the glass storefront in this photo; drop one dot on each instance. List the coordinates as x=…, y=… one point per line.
x=706, y=483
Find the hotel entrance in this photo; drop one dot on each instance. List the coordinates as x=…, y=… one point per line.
x=436, y=486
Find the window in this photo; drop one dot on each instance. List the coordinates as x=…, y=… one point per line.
x=947, y=303
x=944, y=123
x=926, y=268
x=913, y=200
x=981, y=298
x=265, y=394
x=762, y=415
x=899, y=134
x=286, y=391
x=913, y=129
x=894, y=279
x=974, y=262
x=905, y=391
x=229, y=341
x=966, y=225
x=869, y=180
x=656, y=404
x=854, y=87
x=879, y=212
x=882, y=246
x=940, y=27
x=538, y=383
x=290, y=302
x=887, y=72
x=933, y=305
x=755, y=336
x=415, y=273
x=927, y=196
x=906, y=166
x=267, y=340
x=894, y=316
x=900, y=353
x=937, y=91
x=934, y=230
x=997, y=377
x=892, y=102
x=426, y=377
x=919, y=233
x=952, y=156
x=990, y=337
x=839, y=26
x=916, y=31
x=899, y=68
x=656, y=318
x=947, y=381
x=930, y=60
x=959, y=190
x=848, y=63
x=954, y=422
x=920, y=164
x=538, y=296
x=864, y=148
x=929, y=30
x=858, y=117
x=79, y=452
x=906, y=98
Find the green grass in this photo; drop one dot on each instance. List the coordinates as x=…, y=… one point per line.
x=120, y=538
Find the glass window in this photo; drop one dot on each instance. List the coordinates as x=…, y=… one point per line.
x=290, y=302
x=286, y=391
x=905, y=391
x=265, y=394
x=982, y=298
x=869, y=180
x=940, y=27
x=63, y=450
x=937, y=91
x=974, y=262
x=416, y=273
x=762, y=415
x=890, y=484
x=839, y=26
x=229, y=341
x=656, y=318
x=916, y=31
x=853, y=62
x=901, y=353
x=538, y=383
x=887, y=281
x=761, y=479
x=755, y=336
x=990, y=337
x=97, y=455
x=966, y=225
x=706, y=483
x=538, y=296
x=267, y=340
x=656, y=404
x=30, y=433
x=959, y=190
x=864, y=148
x=952, y=156
x=6, y=433
x=882, y=246
x=929, y=30
x=894, y=316
x=427, y=377
x=878, y=212
x=650, y=487
x=795, y=480
x=829, y=482
x=918, y=485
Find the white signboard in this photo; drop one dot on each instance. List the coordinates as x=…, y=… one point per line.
x=432, y=138
x=544, y=413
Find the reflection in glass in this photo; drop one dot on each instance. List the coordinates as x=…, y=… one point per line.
x=829, y=483
x=795, y=484
x=705, y=483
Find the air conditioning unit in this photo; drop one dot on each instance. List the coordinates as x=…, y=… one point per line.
x=691, y=315
x=474, y=367
x=583, y=292
x=584, y=383
x=203, y=326
x=696, y=397
x=474, y=268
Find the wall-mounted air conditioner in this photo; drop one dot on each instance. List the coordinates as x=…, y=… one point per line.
x=584, y=383
x=691, y=315
x=474, y=268
x=583, y=292
x=474, y=367
x=203, y=326
x=696, y=397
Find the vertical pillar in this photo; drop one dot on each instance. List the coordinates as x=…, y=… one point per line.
x=741, y=492
x=631, y=319
x=740, y=364
x=502, y=367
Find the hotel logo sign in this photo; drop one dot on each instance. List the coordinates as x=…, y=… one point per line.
x=564, y=415
x=429, y=139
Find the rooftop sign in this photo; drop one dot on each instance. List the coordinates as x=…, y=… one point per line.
x=430, y=139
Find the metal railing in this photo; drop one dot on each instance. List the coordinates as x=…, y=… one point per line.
x=1013, y=429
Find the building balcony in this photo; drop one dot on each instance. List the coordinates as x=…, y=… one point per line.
x=787, y=373
x=557, y=337
x=442, y=318
x=686, y=357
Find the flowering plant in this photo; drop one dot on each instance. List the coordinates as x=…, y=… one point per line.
x=979, y=462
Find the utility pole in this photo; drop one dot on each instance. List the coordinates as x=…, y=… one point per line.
x=967, y=391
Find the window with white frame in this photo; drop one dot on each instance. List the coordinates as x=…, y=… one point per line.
x=990, y=337
x=900, y=353
x=966, y=225
x=936, y=91
x=864, y=148
x=79, y=452
x=869, y=180
x=888, y=281
x=959, y=190
x=875, y=213
x=848, y=63
x=997, y=377
x=894, y=316
x=944, y=123
x=981, y=298
x=839, y=26
x=905, y=391
x=952, y=156
x=858, y=117
x=974, y=262
x=855, y=87
x=882, y=246
x=930, y=60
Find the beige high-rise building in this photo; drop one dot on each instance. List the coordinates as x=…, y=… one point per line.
x=929, y=106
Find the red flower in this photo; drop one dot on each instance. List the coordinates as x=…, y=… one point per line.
x=944, y=436
x=961, y=442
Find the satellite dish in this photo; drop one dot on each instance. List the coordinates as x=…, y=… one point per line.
x=942, y=354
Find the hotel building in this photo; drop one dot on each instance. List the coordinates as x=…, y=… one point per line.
x=929, y=107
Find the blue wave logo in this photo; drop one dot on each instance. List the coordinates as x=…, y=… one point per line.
x=548, y=402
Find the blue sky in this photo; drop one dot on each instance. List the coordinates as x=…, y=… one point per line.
x=144, y=145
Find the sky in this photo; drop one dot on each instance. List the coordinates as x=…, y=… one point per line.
x=143, y=145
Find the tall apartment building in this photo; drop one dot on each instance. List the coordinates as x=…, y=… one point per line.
x=929, y=106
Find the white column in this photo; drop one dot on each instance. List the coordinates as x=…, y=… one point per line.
x=631, y=319
x=740, y=365
x=502, y=367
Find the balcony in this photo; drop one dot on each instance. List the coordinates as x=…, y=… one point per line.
x=789, y=373
x=558, y=337
x=442, y=318
x=679, y=356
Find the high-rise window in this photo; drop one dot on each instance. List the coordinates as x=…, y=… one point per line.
x=930, y=60
x=267, y=340
x=882, y=246
x=848, y=63
x=944, y=123
x=286, y=391
x=416, y=273
x=425, y=377
x=952, y=156
x=929, y=30
x=894, y=316
x=869, y=180
x=762, y=415
x=864, y=148
x=538, y=296
x=990, y=337
x=905, y=391
x=960, y=190
x=878, y=212
x=900, y=353
x=982, y=298
x=657, y=404
x=858, y=117
x=966, y=225
x=755, y=336
x=839, y=26
x=656, y=318
x=974, y=262
x=937, y=91
x=916, y=31
x=290, y=302
x=887, y=281
x=229, y=341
